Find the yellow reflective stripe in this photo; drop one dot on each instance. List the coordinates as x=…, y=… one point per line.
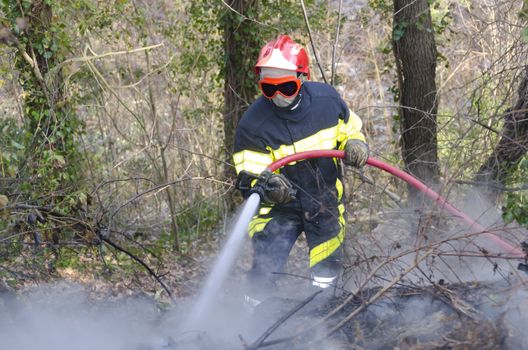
x=341, y=208
x=323, y=139
x=339, y=188
x=283, y=151
x=257, y=225
x=251, y=161
x=264, y=210
x=350, y=130
x=324, y=250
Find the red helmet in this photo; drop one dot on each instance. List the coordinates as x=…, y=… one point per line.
x=283, y=53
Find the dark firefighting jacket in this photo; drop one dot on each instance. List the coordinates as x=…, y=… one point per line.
x=320, y=121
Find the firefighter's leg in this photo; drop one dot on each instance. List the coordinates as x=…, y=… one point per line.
x=273, y=233
x=325, y=234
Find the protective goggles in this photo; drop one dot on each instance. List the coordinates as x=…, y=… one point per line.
x=286, y=86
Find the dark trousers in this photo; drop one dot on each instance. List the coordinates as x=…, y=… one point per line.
x=274, y=234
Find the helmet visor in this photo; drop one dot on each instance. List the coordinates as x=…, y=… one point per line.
x=287, y=86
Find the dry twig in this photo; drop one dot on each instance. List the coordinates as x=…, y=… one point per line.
x=258, y=343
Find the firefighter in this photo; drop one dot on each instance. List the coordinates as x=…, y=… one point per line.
x=294, y=115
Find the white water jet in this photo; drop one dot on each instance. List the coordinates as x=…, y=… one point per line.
x=224, y=262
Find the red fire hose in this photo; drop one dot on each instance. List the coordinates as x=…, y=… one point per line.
x=444, y=204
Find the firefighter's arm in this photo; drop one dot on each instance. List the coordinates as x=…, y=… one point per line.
x=253, y=178
x=251, y=159
x=349, y=128
x=352, y=140
x=249, y=164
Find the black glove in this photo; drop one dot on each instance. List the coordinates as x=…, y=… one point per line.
x=278, y=189
x=356, y=153
x=272, y=188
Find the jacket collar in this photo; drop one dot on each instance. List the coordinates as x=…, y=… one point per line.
x=297, y=110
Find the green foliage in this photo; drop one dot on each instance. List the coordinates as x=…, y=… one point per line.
x=39, y=152
x=523, y=15
x=459, y=138
x=525, y=34
x=398, y=30
x=11, y=147
x=516, y=206
x=41, y=149
x=384, y=7
x=201, y=216
x=259, y=25
x=422, y=24
x=193, y=220
x=46, y=150
x=441, y=16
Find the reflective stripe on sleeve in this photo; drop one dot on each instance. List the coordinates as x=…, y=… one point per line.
x=254, y=162
x=350, y=130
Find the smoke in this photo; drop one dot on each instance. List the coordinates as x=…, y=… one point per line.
x=477, y=317
x=65, y=316
x=62, y=316
x=450, y=292
x=460, y=259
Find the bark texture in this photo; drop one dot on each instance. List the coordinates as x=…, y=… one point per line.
x=241, y=49
x=415, y=53
x=511, y=147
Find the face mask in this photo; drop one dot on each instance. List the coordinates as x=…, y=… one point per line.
x=281, y=101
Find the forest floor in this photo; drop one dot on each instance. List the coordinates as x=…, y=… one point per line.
x=449, y=302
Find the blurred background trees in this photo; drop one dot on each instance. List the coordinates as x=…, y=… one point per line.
x=117, y=117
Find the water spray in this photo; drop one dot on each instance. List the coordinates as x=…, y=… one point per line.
x=230, y=251
x=225, y=261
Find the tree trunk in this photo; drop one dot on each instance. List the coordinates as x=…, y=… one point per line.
x=40, y=23
x=415, y=52
x=512, y=146
x=241, y=49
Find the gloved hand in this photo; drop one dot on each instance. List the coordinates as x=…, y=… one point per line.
x=274, y=188
x=278, y=190
x=356, y=153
